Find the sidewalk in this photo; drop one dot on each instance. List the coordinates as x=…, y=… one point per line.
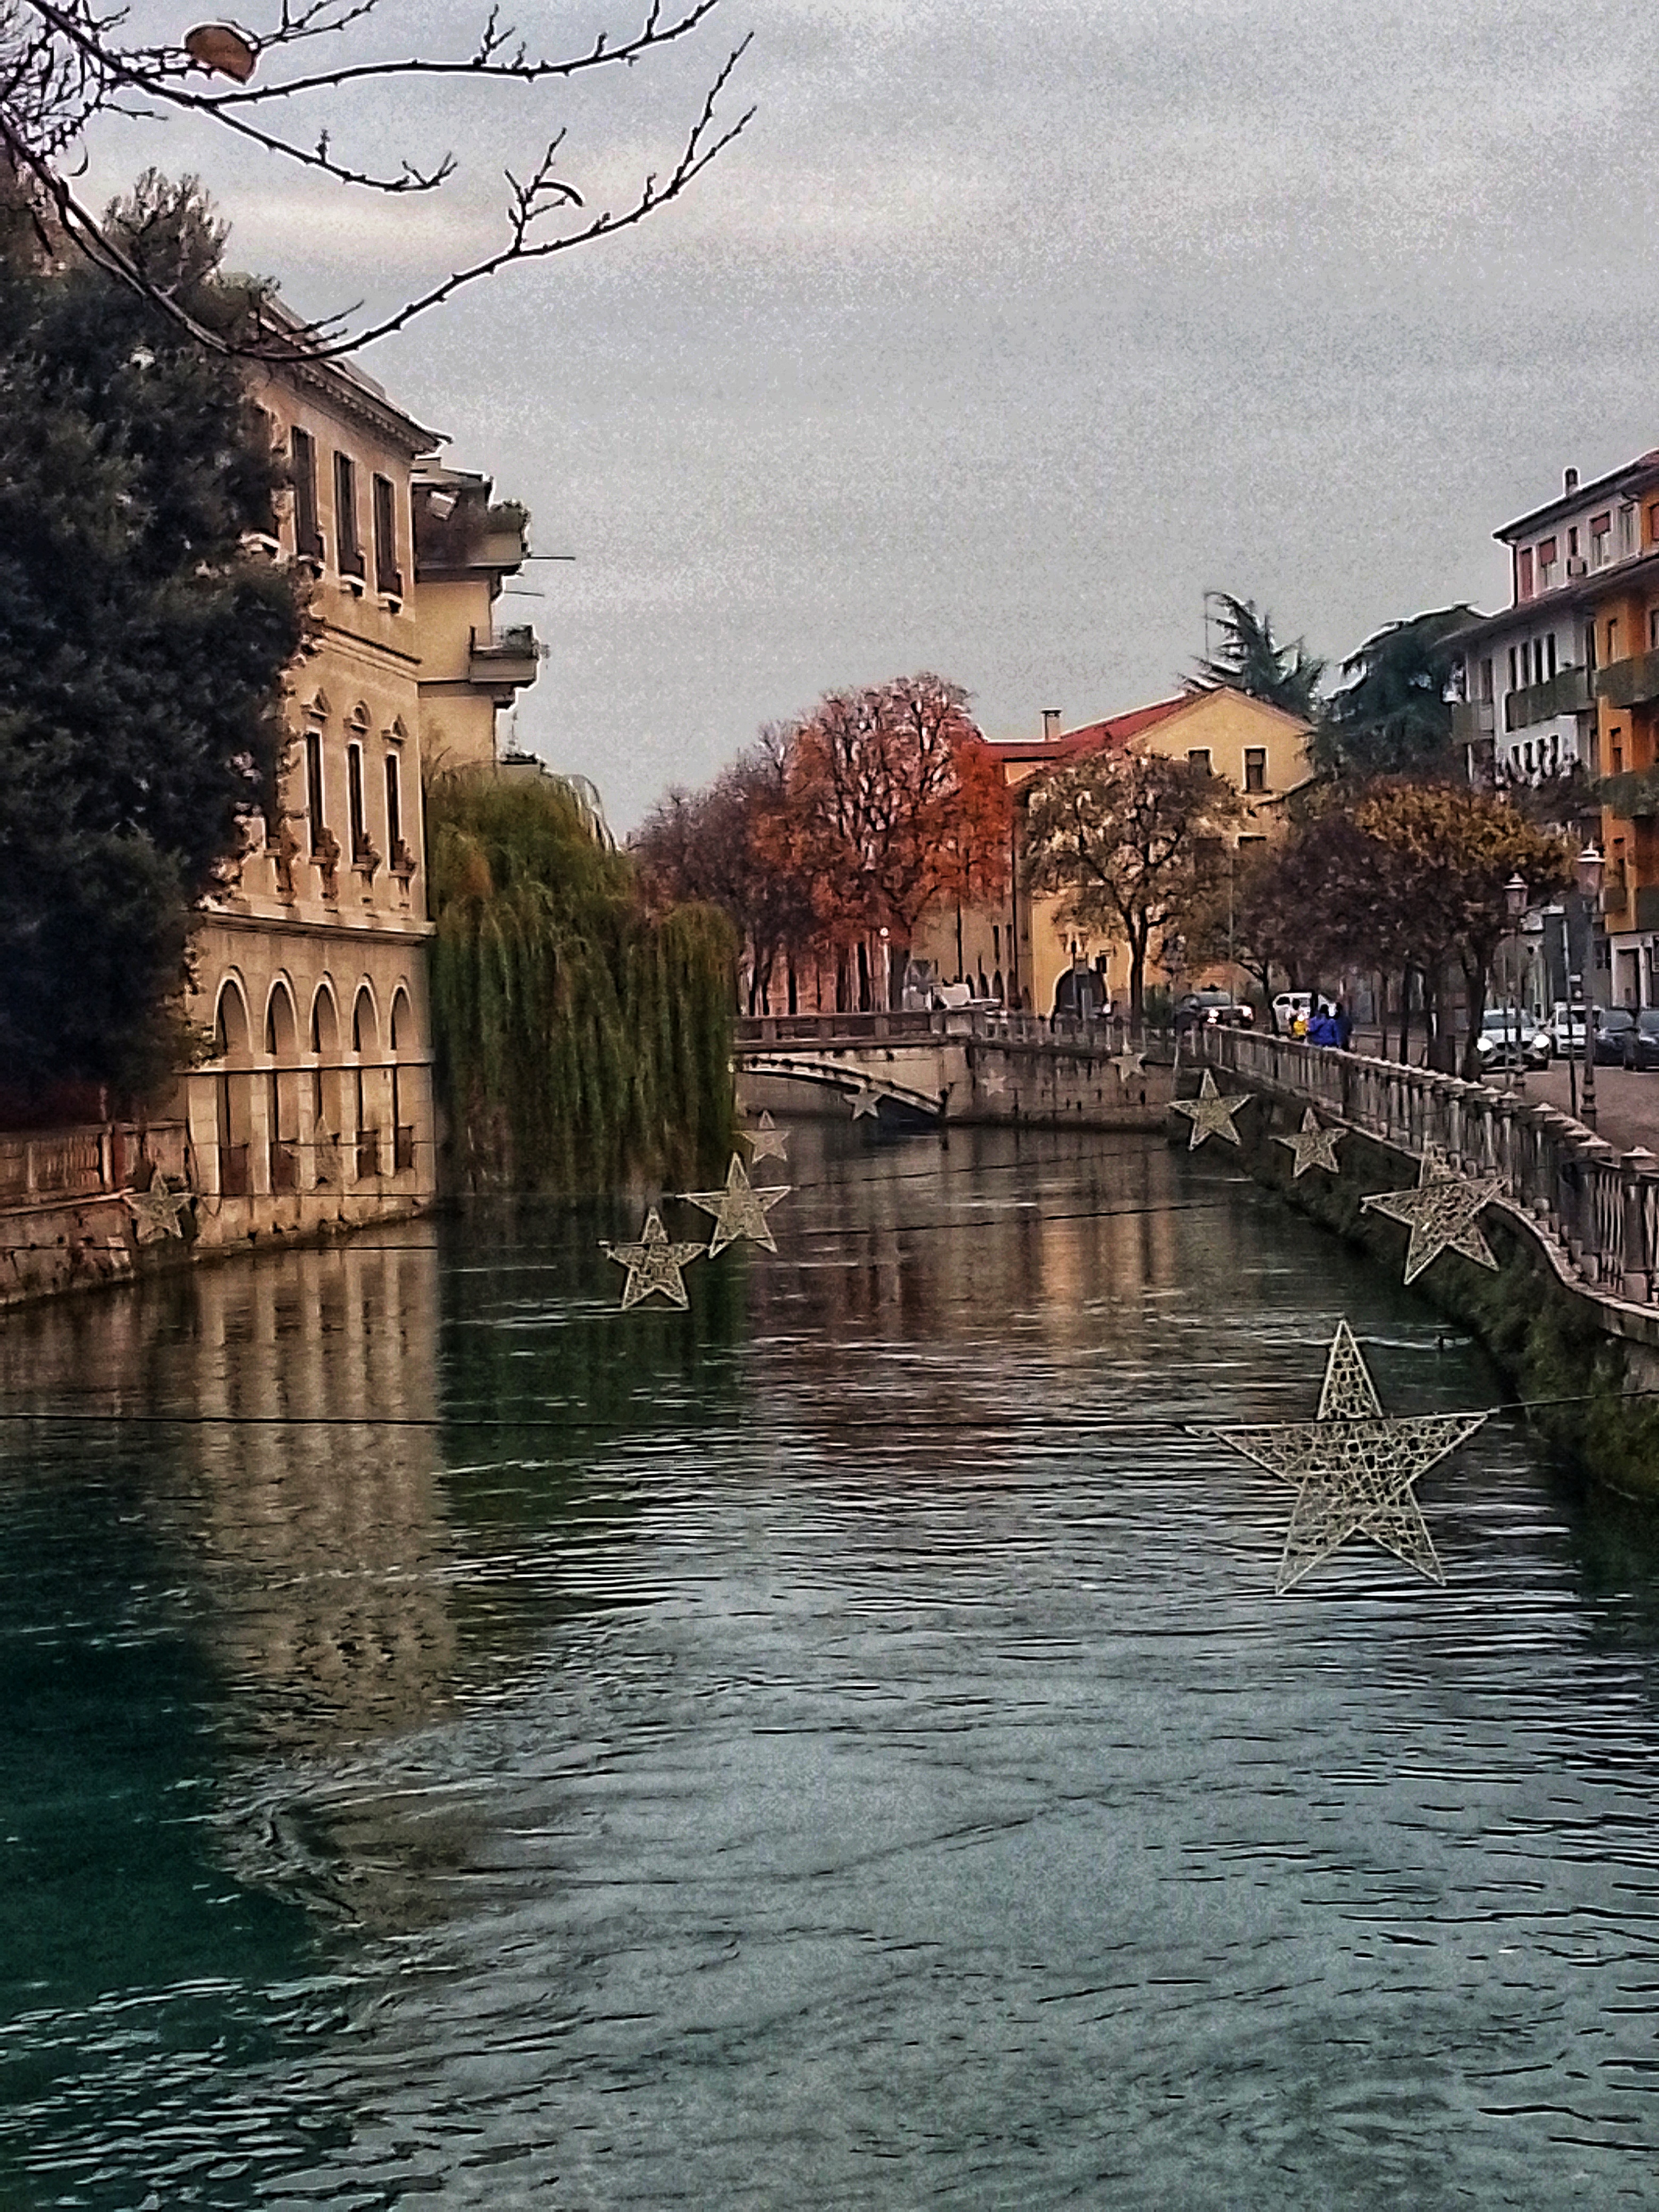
x=1627, y=1106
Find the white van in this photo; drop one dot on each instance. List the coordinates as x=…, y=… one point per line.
x=1288, y=1008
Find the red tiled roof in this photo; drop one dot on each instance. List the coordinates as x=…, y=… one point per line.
x=1117, y=730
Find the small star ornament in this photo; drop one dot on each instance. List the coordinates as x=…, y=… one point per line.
x=1441, y=1213
x=327, y=1160
x=739, y=1210
x=1211, y=1115
x=1314, y=1146
x=157, y=1212
x=865, y=1105
x=655, y=1266
x=766, y=1141
x=1355, y=1469
x=1128, y=1065
x=994, y=1082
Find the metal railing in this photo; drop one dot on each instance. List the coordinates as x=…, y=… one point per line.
x=1599, y=1206
x=1037, y=1031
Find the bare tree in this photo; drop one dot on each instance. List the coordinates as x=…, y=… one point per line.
x=62, y=63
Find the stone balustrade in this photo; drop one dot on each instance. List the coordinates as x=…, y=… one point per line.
x=1598, y=1206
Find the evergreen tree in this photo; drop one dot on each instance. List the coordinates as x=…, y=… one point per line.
x=142, y=644
x=1249, y=659
x=1393, y=715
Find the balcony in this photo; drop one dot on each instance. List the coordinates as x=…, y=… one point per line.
x=1647, y=906
x=1566, y=692
x=1632, y=683
x=1634, y=796
x=502, y=662
x=1472, y=721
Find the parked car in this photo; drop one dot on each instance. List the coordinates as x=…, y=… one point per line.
x=1288, y=1008
x=1511, y=1038
x=1613, y=1025
x=1639, y=1043
x=1212, y=1005
x=1567, y=1029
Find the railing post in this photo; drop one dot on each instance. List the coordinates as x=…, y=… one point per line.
x=1638, y=1179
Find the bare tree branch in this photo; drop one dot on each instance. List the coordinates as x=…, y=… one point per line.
x=61, y=63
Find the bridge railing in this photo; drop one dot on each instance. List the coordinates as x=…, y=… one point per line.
x=997, y=1027
x=1599, y=1205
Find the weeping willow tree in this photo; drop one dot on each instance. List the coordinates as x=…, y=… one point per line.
x=581, y=1043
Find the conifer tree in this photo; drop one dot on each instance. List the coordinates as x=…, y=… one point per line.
x=143, y=643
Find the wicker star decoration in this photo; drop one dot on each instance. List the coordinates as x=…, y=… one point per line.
x=1441, y=1214
x=328, y=1159
x=1129, y=1064
x=1353, y=1468
x=1211, y=1115
x=994, y=1082
x=156, y=1212
x=1314, y=1146
x=655, y=1266
x=739, y=1210
x=766, y=1141
x=865, y=1103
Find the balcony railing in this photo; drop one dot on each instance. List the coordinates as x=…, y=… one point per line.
x=1632, y=683
x=504, y=659
x=1634, y=796
x=1472, y=721
x=1566, y=692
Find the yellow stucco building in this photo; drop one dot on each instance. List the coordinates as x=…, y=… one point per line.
x=314, y=1105
x=1018, y=950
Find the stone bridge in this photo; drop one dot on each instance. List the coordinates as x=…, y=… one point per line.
x=957, y=1067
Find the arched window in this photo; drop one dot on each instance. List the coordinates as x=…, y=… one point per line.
x=280, y=1030
x=326, y=1077
x=365, y=1044
x=365, y=1027
x=403, y=1039
x=282, y=1090
x=230, y=1027
x=230, y=1088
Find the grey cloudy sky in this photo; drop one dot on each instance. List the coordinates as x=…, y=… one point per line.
x=1004, y=332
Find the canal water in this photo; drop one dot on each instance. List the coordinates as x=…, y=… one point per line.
x=465, y=1745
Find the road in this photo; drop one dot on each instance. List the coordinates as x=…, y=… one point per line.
x=1627, y=1106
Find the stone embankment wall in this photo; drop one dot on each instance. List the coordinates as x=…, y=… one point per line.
x=113, y=1201
x=1578, y=1352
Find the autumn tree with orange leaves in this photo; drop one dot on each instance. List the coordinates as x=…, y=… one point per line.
x=894, y=800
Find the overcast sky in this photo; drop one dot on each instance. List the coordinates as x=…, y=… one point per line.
x=1004, y=332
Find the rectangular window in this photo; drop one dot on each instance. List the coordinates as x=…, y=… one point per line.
x=388, y=577
x=1616, y=746
x=1572, y=544
x=1653, y=525
x=1486, y=678
x=314, y=787
x=1256, y=768
x=348, y=546
x=1549, y=654
x=1523, y=574
x=1626, y=530
x=354, y=799
x=1612, y=640
x=1200, y=759
x=1547, y=553
x=394, y=809
x=1601, y=539
x=1515, y=681
x=1653, y=629
x=302, y=467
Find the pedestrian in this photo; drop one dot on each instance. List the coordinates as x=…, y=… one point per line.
x=1343, y=1028
x=1321, y=1026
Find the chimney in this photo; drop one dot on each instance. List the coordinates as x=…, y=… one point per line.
x=1050, y=724
x=1570, y=483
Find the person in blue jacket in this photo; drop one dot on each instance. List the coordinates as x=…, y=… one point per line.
x=1322, y=1026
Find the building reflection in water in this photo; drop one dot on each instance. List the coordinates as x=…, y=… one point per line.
x=299, y=1499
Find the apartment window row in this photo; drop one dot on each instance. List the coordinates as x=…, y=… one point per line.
x=349, y=550
x=1613, y=536
x=360, y=844
x=1255, y=765
x=1532, y=662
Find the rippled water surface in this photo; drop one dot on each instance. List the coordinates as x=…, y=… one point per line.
x=837, y=1747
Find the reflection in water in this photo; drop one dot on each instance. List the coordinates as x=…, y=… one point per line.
x=837, y=1745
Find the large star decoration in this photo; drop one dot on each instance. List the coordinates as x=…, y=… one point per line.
x=865, y=1103
x=1314, y=1146
x=1211, y=1115
x=766, y=1141
x=655, y=1266
x=156, y=1212
x=1441, y=1214
x=739, y=1210
x=994, y=1082
x=1128, y=1064
x=1353, y=1468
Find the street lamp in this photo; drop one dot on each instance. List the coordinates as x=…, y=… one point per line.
x=1515, y=905
x=1589, y=868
